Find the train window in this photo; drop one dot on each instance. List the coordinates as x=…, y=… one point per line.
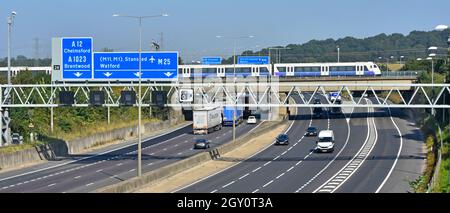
x=365, y=68
x=334, y=68
x=209, y=70
x=281, y=69
x=229, y=70
x=243, y=70
x=299, y=69
x=315, y=69
x=264, y=69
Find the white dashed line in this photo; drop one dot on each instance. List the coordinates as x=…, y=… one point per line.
x=280, y=175
x=51, y=184
x=267, y=183
x=244, y=176
x=77, y=177
x=89, y=184
x=256, y=169
x=228, y=184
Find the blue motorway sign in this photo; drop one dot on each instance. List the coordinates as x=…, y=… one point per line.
x=125, y=66
x=253, y=60
x=212, y=60
x=76, y=58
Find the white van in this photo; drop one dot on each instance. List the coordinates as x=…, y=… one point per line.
x=326, y=141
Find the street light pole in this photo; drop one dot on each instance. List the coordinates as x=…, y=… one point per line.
x=139, y=169
x=234, y=76
x=339, y=53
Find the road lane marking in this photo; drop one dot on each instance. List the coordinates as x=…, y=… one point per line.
x=358, y=159
x=89, y=184
x=256, y=169
x=244, y=176
x=267, y=183
x=77, y=177
x=280, y=175
x=228, y=184
x=339, y=153
x=99, y=154
x=51, y=184
x=396, y=158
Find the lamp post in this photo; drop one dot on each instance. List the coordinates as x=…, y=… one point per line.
x=432, y=82
x=140, y=18
x=10, y=23
x=235, y=38
x=338, y=53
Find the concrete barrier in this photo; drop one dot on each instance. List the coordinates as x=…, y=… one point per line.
x=80, y=144
x=177, y=167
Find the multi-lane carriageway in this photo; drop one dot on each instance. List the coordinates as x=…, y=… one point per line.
x=85, y=173
x=376, y=151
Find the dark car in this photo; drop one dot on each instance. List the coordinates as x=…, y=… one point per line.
x=311, y=131
x=201, y=144
x=317, y=112
x=317, y=101
x=282, y=139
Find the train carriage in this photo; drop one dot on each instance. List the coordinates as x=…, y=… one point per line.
x=326, y=69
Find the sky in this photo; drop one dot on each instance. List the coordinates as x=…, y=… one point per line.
x=192, y=25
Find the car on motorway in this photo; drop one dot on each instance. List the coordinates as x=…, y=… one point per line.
x=251, y=120
x=311, y=131
x=17, y=138
x=202, y=143
x=326, y=141
x=282, y=139
x=318, y=112
x=317, y=101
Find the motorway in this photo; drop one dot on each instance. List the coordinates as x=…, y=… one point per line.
x=369, y=156
x=91, y=171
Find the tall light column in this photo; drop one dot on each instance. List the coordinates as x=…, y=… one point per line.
x=235, y=38
x=139, y=18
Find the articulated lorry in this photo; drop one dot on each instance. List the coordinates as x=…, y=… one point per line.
x=207, y=120
x=228, y=113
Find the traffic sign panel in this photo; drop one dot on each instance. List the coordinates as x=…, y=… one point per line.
x=253, y=60
x=125, y=65
x=211, y=60
x=76, y=58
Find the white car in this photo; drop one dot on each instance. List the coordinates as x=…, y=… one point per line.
x=251, y=120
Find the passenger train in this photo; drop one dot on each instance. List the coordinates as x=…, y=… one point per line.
x=281, y=70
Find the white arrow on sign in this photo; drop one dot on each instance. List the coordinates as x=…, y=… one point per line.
x=107, y=74
x=78, y=74
x=138, y=74
x=168, y=74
